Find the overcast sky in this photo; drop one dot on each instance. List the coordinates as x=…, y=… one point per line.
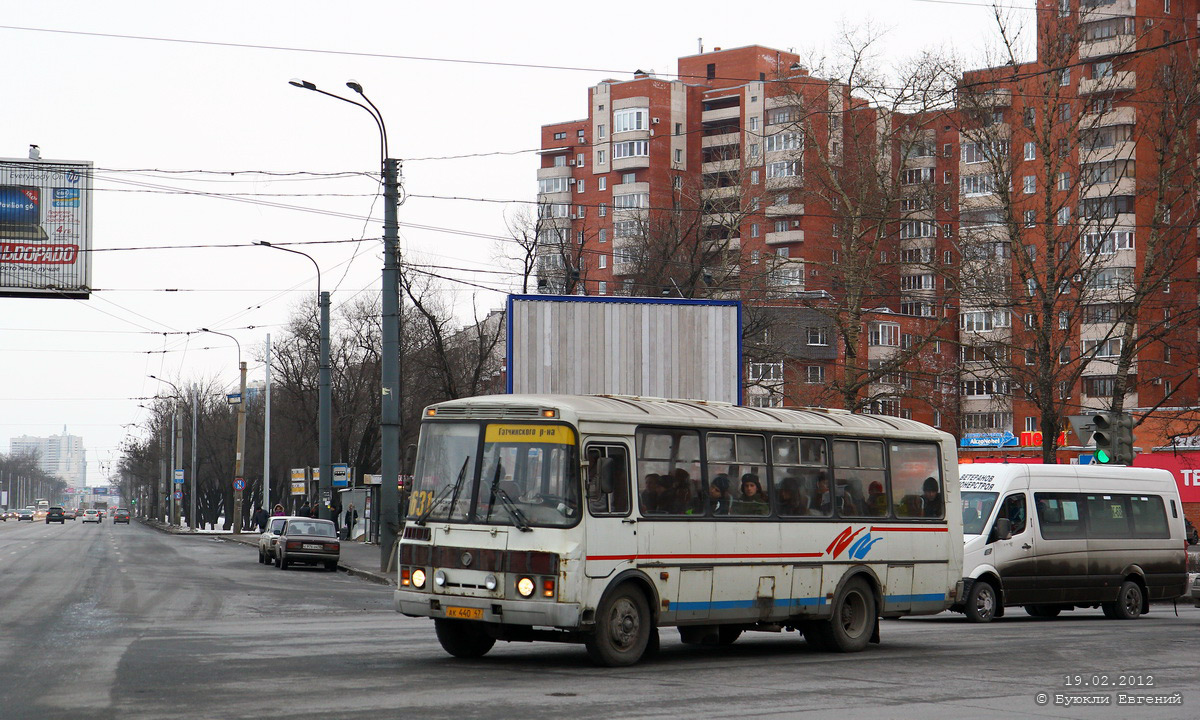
x=198, y=141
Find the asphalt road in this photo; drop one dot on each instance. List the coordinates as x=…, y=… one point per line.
x=128, y=622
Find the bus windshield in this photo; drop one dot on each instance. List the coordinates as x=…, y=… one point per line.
x=522, y=474
x=977, y=509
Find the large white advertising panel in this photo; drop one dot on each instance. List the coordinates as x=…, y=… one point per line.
x=45, y=228
x=674, y=348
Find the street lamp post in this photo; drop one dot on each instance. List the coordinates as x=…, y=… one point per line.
x=324, y=394
x=239, y=460
x=176, y=450
x=390, y=387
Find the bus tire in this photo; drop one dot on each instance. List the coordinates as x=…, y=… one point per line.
x=1128, y=605
x=981, y=602
x=623, y=626
x=853, y=621
x=728, y=634
x=463, y=638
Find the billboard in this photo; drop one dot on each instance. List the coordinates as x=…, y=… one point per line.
x=45, y=228
x=651, y=347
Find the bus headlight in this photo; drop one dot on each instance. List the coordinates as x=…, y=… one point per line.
x=439, y=578
x=490, y=582
x=525, y=586
x=418, y=578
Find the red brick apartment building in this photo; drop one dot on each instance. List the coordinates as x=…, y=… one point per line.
x=1024, y=251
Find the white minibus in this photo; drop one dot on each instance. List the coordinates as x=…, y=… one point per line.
x=600, y=519
x=1058, y=537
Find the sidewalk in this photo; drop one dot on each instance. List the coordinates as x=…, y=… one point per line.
x=357, y=558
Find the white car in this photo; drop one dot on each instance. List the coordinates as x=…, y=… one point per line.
x=92, y=515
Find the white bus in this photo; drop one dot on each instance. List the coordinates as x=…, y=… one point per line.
x=599, y=519
x=1059, y=537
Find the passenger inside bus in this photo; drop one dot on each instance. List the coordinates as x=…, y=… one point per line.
x=931, y=498
x=792, y=500
x=876, y=500
x=753, y=500
x=651, y=487
x=823, y=500
x=719, y=498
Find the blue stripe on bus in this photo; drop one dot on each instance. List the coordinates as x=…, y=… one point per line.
x=792, y=602
x=927, y=597
x=742, y=604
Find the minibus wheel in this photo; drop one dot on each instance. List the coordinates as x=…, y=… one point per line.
x=853, y=621
x=463, y=638
x=981, y=602
x=1128, y=605
x=623, y=626
x=1043, y=611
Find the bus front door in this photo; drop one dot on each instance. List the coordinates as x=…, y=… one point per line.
x=611, y=527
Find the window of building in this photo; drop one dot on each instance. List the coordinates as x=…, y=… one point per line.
x=753, y=230
x=602, y=210
x=599, y=132
x=579, y=185
x=602, y=235
x=814, y=374
x=553, y=185
x=602, y=183
x=1063, y=216
x=601, y=288
x=1064, y=77
x=984, y=421
x=631, y=119
x=560, y=161
x=600, y=160
x=781, y=226
x=1064, y=181
x=984, y=388
x=1102, y=69
x=678, y=155
x=1108, y=347
x=788, y=168
x=1030, y=218
x=1030, y=151
x=818, y=336
x=1029, y=184
x=710, y=71
x=884, y=334
x=631, y=148
x=916, y=176
x=631, y=200
x=628, y=177
x=753, y=177
x=783, y=141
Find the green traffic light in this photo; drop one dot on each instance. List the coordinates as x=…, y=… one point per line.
x=1102, y=457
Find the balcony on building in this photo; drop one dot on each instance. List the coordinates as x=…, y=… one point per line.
x=731, y=166
x=1099, y=10
x=725, y=135
x=634, y=162
x=785, y=210
x=996, y=97
x=1121, y=81
x=718, y=110
x=1123, y=186
x=1124, y=115
x=1126, y=150
x=1115, y=45
x=785, y=237
x=554, y=172
x=725, y=191
x=733, y=243
x=787, y=181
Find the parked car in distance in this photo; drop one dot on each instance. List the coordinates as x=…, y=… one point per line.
x=269, y=537
x=55, y=514
x=91, y=515
x=24, y=514
x=69, y=514
x=307, y=540
x=120, y=515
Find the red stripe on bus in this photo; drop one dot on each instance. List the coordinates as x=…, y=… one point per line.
x=702, y=555
x=910, y=529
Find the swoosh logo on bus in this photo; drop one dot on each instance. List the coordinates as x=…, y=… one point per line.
x=842, y=541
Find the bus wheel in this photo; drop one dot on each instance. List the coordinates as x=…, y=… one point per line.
x=622, y=629
x=981, y=602
x=849, y=630
x=728, y=634
x=1043, y=611
x=1128, y=605
x=463, y=638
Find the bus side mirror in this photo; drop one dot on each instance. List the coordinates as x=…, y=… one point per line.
x=1003, y=529
x=600, y=479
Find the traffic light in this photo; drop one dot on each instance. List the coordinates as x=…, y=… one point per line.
x=1114, y=438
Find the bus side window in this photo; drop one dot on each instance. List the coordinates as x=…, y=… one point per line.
x=608, y=495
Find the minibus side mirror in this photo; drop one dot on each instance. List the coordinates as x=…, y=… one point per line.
x=600, y=478
x=1003, y=529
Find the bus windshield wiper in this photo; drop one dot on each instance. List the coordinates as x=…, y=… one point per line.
x=506, y=500
x=514, y=512
x=445, y=491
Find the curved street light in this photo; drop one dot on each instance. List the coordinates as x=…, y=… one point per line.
x=390, y=381
x=324, y=382
x=239, y=460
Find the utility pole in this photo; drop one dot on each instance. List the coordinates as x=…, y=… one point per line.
x=192, y=494
x=389, y=516
x=239, y=478
x=325, y=415
x=267, y=430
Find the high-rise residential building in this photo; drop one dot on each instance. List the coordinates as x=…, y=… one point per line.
x=990, y=262
x=62, y=456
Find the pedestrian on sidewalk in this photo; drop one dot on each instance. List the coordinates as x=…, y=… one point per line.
x=304, y=510
x=278, y=510
x=260, y=518
x=350, y=520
